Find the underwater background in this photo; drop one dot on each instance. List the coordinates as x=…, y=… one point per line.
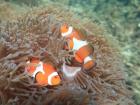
x=119, y=18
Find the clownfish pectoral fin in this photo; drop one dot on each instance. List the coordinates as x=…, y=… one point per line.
x=70, y=71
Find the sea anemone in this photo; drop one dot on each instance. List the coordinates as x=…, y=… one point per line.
x=37, y=33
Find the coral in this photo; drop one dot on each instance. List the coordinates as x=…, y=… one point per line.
x=37, y=33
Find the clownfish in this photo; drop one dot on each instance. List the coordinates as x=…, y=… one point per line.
x=44, y=73
x=75, y=42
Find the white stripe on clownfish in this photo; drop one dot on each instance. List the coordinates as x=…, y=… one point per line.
x=78, y=44
x=68, y=32
x=88, y=58
x=51, y=76
x=39, y=68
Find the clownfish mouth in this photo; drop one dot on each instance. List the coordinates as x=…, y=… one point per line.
x=70, y=71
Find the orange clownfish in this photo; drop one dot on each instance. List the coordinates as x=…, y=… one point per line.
x=44, y=73
x=83, y=51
